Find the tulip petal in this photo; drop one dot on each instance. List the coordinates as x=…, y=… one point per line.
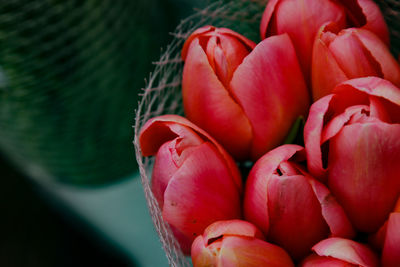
x=255, y=204
x=377, y=239
x=239, y=251
x=163, y=170
x=317, y=261
x=375, y=20
x=301, y=20
x=372, y=86
x=268, y=98
x=208, y=104
x=355, y=12
x=364, y=158
x=325, y=71
x=332, y=212
x=201, y=255
x=225, y=54
x=231, y=227
x=312, y=137
x=266, y=18
x=184, y=241
x=160, y=129
x=293, y=226
x=391, y=248
x=353, y=57
x=335, y=125
x=194, y=35
x=234, y=52
x=380, y=51
x=194, y=199
x=228, y=32
x=346, y=250
x=209, y=31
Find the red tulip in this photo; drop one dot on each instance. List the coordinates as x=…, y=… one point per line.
x=348, y=54
x=352, y=141
x=302, y=19
x=293, y=209
x=189, y=172
x=339, y=252
x=236, y=243
x=242, y=96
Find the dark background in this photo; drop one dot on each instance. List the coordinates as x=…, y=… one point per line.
x=33, y=233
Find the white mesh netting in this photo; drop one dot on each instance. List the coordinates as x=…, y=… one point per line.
x=162, y=95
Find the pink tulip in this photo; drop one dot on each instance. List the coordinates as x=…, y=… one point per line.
x=302, y=19
x=242, y=96
x=340, y=252
x=352, y=141
x=293, y=209
x=194, y=179
x=236, y=243
x=348, y=54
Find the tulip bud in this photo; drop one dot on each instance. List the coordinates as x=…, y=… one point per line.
x=340, y=252
x=242, y=96
x=189, y=172
x=351, y=53
x=293, y=209
x=236, y=243
x=302, y=19
x=352, y=141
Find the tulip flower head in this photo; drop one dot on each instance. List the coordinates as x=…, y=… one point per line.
x=302, y=19
x=350, y=53
x=247, y=97
x=189, y=171
x=293, y=209
x=236, y=243
x=340, y=252
x=352, y=141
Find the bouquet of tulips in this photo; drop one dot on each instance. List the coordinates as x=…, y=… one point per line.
x=278, y=153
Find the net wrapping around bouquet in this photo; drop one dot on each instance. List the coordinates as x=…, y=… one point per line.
x=162, y=94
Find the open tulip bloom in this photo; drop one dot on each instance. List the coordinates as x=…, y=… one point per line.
x=352, y=140
x=293, y=209
x=247, y=97
x=194, y=179
x=236, y=243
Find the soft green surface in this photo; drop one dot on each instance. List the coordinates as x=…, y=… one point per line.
x=118, y=213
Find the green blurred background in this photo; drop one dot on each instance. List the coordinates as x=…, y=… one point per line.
x=70, y=73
